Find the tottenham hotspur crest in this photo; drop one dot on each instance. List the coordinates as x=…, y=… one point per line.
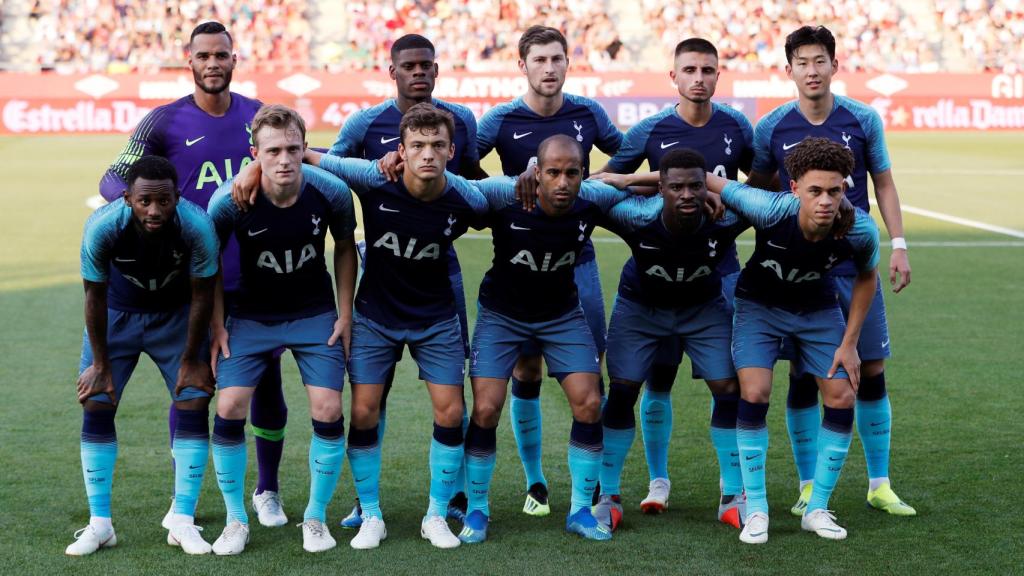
x=451, y=222
x=846, y=140
x=583, y=231
x=579, y=130
x=316, y=224
x=728, y=144
x=831, y=261
x=712, y=245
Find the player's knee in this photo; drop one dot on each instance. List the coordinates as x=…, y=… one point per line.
x=364, y=415
x=839, y=396
x=326, y=409
x=587, y=408
x=232, y=407
x=486, y=411
x=449, y=415
x=193, y=403
x=94, y=406
x=756, y=394
x=724, y=387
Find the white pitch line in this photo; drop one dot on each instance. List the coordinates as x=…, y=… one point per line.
x=964, y=171
x=921, y=244
x=958, y=220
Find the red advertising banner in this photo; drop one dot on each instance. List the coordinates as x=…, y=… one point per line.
x=96, y=103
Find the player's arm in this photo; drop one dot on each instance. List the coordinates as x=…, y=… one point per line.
x=760, y=207
x=469, y=163
x=356, y=173
x=889, y=206
x=101, y=232
x=145, y=140
x=345, y=288
x=864, y=238
x=97, y=378
x=223, y=212
x=763, y=172
x=199, y=232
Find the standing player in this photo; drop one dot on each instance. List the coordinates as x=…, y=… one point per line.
x=724, y=137
x=516, y=129
x=287, y=300
x=149, y=262
x=206, y=135
x=670, y=289
x=811, y=63
x=373, y=134
x=405, y=298
x=785, y=291
x=534, y=254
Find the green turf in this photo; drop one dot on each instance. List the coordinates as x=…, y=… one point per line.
x=956, y=335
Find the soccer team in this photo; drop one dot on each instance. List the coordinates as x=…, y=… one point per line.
x=215, y=296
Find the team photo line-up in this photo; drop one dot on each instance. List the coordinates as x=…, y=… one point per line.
x=214, y=279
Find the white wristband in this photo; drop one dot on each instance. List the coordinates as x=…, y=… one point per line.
x=899, y=243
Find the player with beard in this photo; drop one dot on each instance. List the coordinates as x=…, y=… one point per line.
x=206, y=136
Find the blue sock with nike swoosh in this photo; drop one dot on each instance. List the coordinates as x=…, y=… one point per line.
x=191, y=448
x=874, y=424
x=326, y=455
x=99, y=453
x=446, y=453
x=585, y=448
x=833, y=445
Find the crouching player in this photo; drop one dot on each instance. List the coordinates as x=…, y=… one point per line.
x=785, y=291
x=287, y=299
x=138, y=256
x=669, y=289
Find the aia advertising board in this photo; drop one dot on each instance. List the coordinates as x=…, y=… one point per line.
x=98, y=103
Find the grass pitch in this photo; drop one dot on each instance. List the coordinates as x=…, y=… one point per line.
x=953, y=382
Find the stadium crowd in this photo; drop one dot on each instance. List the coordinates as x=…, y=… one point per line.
x=478, y=35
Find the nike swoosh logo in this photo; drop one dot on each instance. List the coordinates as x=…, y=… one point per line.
x=649, y=412
x=191, y=467
x=755, y=535
x=776, y=245
x=517, y=136
x=444, y=471
x=799, y=432
x=124, y=259
x=363, y=479
x=475, y=483
x=752, y=457
x=669, y=145
x=257, y=233
x=191, y=142
x=383, y=209
x=94, y=470
x=646, y=247
x=788, y=146
x=879, y=423
x=831, y=459
x=884, y=344
x=525, y=421
x=321, y=463
x=733, y=454
x=590, y=479
x=384, y=140
x=514, y=227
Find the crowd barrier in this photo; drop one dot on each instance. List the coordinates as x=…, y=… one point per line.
x=97, y=103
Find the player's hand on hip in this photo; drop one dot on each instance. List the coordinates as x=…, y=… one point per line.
x=847, y=357
x=844, y=219
x=195, y=374
x=391, y=166
x=96, y=380
x=218, y=345
x=526, y=188
x=899, y=270
x=245, y=186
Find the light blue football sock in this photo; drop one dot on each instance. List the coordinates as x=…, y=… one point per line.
x=724, y=441
x=528, y=430
x=98, y=446
x=326, y=456
x=833, y=445
x=364, y=460
x=752, y=441
x=230, y=460
x=616, y=447
x=445, y=462
x=874, y=424
x=191, y=449
x=802, y=424
x=585, y=449
x=656, y=424
x=460, y=476
x=479, y=471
